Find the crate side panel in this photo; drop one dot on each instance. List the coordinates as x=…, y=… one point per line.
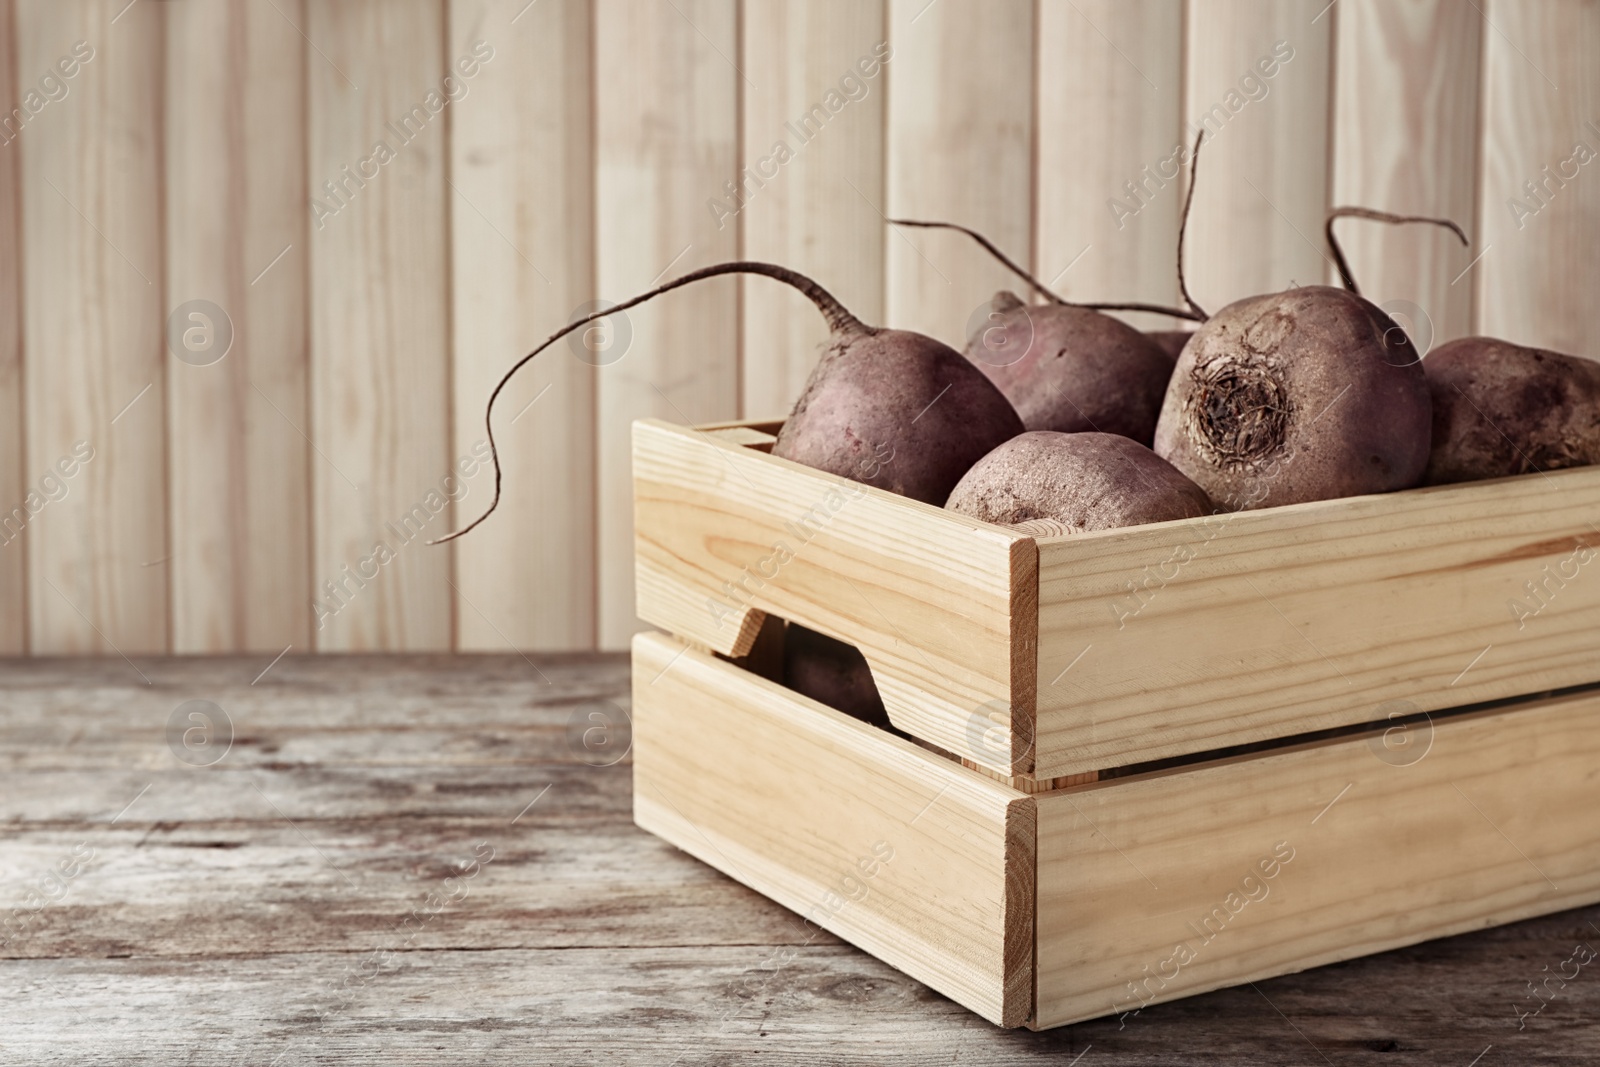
x=929, y=597
x=1164, y=886
x=924, y=864
x=1192, y=636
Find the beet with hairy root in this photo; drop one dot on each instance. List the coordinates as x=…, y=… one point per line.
x=1307, y=394
x=889, y=408
x=1085, y=481
x=1066, y=366
x=833, y=673
x=1501, y=409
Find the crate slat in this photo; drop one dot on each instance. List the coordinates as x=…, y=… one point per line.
x=1045, y=656
x=919, y=861
x=940, y=605
x=1492, y=824
x=1294, y=619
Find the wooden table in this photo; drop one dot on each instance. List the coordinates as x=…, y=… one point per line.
x=412, y=860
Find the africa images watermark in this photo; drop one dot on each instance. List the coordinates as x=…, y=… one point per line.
x=1550, y=583
x=1157, y=577
x=339, y=592
x=54, y=485
x=52, y=88
x=1582, y=955
x=1541, y=191
x=738, y=592
x=849, y=888
x=1253, y=86
x=49, y=888
x=358, y=973
x=1253, y=888
x=853, y=87
x=407, y=128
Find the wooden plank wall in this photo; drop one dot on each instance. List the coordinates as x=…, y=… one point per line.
x=391, y=201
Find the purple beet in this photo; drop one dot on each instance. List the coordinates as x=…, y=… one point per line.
x=1501, y=409
x=1072, y=369
x=1170, y=342
x=833, y=673
x=890, y=408
x=1307, y=394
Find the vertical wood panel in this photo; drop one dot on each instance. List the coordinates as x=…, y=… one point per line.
x=93, y=317
x=1263, y=187
x=1406, y=140
x=960, y=142
x=236, y=237
x=667, y=126
x=13, y=479
x=379, y=340
x=1535, y=283
x=818, y=212
x=591, y=156
x=1109, y=105
x=522, y=233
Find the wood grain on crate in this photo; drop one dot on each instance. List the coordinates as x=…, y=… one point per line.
x=816, y=208
x=1405, y=139
x=236, y=227
x=379, y=321
x=666, y=139
x=1262, y=864
x=922, y=863
x=94, y=329
x=1110, y=114
x=522, y=260
x=940, y=606
x=1295, y=619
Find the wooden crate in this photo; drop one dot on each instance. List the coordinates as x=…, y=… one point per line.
x=1043, y=657
x=1042, y=909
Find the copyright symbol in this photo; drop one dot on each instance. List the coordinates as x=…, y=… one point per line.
x=1408, y=740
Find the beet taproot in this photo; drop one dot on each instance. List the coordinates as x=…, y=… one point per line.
x=1065, y=366
x=1309, y=394
x=1085, y=481
x=1501, y=409
x=888, y=408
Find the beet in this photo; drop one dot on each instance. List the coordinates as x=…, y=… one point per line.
x=1085, y=481
x=1170, y=342
x=1066, y=366
x=833, y=673
x=1307, y=394
x=1078, y=370
x=1501, y=409
x=889, y=408
x=897, y=410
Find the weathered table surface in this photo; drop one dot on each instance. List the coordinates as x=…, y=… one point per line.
x=410, y=860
